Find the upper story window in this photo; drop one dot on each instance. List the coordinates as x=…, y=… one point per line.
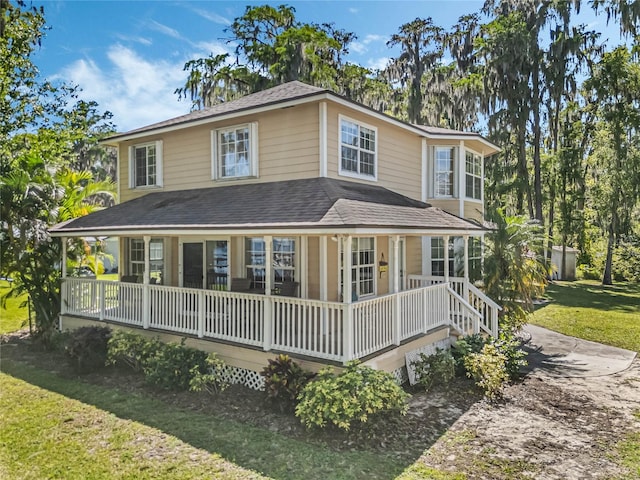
x=358, y=149
x=443, y=169
x=145, y=165
x=235, y=151
x=473, y=178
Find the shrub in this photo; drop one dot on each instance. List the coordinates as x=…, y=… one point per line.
x=213, y=379
x=465, y=346
x=438, y=368
x=509, y=346
x=131, y=349
x=172, y=366
x=488, y=369
x=352, y=396
x=284, y=380
x=86, y=348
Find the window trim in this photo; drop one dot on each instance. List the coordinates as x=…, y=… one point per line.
x=481, y=158
x=159, y=165
x=454, y=150
x=356, y=280
x=349, y=173
x=216, y=164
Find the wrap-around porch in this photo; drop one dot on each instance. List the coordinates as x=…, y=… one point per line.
x=319, y=329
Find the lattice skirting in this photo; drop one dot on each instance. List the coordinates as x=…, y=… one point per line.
x=414, y=355
x=245, y=377
x=401, y=375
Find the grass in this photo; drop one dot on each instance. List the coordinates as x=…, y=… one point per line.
x=12, y=317
x=588, y=310
x=57, y=427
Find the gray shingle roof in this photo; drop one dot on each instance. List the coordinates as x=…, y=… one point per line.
x=308, y=203
x=280, y=93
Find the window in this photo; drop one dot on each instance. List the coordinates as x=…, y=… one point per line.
x=363, y=261
x=444, y=161
x=254, y=260
x=475, y=259
x=473, y=179
x=234, y=151
x=456, y=256
x=283, y=260
x=145, y=165
x=358, y=149
x=156, y=259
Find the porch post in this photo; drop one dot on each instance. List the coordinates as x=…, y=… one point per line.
x=466, y=267
x=146, y=300
x=347, y=299
x=268, y=311
x=397, y=334
x=64, y=257
x=446, y=258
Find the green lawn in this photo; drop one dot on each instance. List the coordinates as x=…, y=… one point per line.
x=56, y=427
x=586, y=309
x=13, y=317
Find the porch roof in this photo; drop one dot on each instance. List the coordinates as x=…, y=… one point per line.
x=309, y=204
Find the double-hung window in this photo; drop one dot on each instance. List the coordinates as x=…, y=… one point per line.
x=443, y=170
x=358, y=149
x=235, y=152
x=473, y=179
x=363, y=259
x=145, y=165
x=156, y=259
x=283, y=261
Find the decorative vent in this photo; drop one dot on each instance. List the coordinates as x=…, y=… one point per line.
x=414, y=355
x=245, y=377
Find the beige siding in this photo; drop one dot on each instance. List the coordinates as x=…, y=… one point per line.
x=414, y=255
x=399, y=153
x=333, y=277
x=313, y=267
x=287, y=145
x=382, y=279
x=451, y=205
x=474, y=210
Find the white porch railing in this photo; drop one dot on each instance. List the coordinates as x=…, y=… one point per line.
x=325, y=330
x=474, y=297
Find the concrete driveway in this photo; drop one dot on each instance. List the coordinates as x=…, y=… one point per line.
x=557, y=355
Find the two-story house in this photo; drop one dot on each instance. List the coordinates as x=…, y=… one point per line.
x=292, y=220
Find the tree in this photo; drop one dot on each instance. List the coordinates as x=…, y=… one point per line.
x=514, y=274
x=272, y=47
x=421, y=49
x=614, y=88
x=40, y=132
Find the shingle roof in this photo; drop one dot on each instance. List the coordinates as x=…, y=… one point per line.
x=280, y=93
x=308, y=203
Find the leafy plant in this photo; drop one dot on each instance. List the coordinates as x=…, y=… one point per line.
x=353, y=396
x=509, y=346
x=172, y=365
x=438, y=368
x=284, y=380
x=131, y=349
x=86, y=348
x=213, y=379
x=465, y=346
x=488, y=369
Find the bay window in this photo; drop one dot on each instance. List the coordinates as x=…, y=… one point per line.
x=473, y=175
x=443, y=171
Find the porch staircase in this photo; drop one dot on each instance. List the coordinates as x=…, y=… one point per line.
x=471, y=310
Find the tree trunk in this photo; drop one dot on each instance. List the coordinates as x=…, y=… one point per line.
x=537, y=167
x=607, y=276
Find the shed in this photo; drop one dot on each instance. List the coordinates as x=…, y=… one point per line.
x=570, y=262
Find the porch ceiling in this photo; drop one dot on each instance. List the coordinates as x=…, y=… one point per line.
x=308, y=204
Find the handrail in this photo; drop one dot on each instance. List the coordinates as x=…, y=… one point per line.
x=485, y=298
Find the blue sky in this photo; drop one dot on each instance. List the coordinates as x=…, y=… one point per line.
x=129, y=55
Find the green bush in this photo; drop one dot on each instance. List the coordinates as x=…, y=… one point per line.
x=284, y=380
x=86, y=348
x=131, y=349
x=438, y=368
x=213, y=379
x=171, y=366
x=488, y=369
x=509, y=346
x=465, y=346
x=353, y=396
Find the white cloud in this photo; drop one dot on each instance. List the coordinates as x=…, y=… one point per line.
x=138, y=92
x=159, y=27
x=353, y=10
x=378, y=63
x=212, y=16
x=211, y=47
x=362, y=45
x=142, y=40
